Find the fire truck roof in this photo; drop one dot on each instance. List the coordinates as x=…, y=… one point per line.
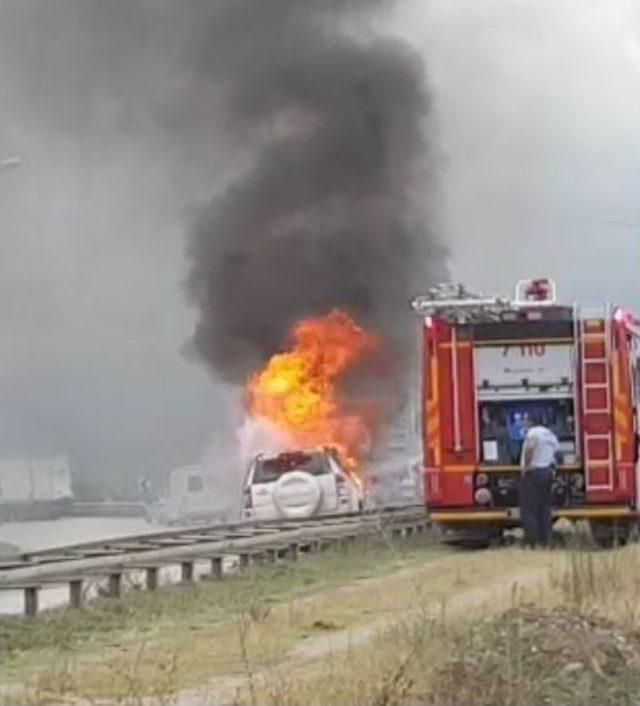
x=533, y=314
x=535, y=300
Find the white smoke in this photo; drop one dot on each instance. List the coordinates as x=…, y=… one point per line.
x=258, y=435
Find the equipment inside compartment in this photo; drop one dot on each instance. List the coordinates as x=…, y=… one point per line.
x=503, y=426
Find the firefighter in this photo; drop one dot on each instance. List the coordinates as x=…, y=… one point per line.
x=539, y=452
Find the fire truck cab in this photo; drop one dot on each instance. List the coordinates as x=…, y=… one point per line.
x=488, y=364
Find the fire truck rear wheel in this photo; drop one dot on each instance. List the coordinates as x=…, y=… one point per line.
x=612, y=533
x=481, y=537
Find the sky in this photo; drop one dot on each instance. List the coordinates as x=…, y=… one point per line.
x=92, y=264
x=537, y=107
x=534, y=132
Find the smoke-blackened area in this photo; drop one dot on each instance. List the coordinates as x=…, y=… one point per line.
x=329, y=208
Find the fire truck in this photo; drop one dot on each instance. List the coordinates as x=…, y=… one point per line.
x=489, y=363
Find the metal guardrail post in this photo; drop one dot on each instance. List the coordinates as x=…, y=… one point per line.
x=75, y=593
x=348, y=542
x=31, y=601
x=115, y=584
x=151, y=578
x=217, y=570
x=76, y=563
x=186, y=571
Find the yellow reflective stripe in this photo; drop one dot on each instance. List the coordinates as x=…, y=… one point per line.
x=453, y=516
x=580, y=512
x=621, y=408
x=460, y=344
x=439, y=516
x=433, y=409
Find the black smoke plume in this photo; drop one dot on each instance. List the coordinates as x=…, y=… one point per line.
x=330, y=207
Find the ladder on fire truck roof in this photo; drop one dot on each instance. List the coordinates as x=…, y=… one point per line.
x=456, y=304
x=595, y=365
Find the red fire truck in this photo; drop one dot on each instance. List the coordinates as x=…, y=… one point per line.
x=489, y=363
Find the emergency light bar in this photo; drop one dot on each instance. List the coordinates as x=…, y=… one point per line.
x=426, y=305
x=537, y=292
x=452, y=298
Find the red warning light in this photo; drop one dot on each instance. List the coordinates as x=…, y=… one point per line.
x=538, y=290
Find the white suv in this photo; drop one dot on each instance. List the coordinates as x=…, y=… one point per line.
x=298, y=484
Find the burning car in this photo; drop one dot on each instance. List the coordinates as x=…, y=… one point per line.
x=299, y=484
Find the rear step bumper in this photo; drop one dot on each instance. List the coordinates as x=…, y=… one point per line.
x=571, y=513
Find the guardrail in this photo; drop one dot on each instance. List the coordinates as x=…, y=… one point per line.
x=110, y=560
x=83, y=508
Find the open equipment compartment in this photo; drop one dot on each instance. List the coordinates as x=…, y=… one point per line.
x=514, y=380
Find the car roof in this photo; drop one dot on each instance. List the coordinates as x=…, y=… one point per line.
x=289, y=452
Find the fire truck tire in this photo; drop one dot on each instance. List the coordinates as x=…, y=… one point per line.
x=471, y=538
x=612, y=533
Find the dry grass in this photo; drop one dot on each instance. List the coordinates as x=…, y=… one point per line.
x=384, y=625
x=125, y=649
x=573, y=640
x=529, y=657
x=605, y=583
x=390, y=662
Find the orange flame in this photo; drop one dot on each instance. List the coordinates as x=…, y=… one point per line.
x=298, y=390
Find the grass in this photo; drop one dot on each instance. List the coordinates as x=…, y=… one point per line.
x=406, y=624
x=528, y=657
x=604, y=583
x=119, y=648
x=577, y=642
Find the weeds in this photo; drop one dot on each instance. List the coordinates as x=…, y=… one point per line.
x=569, y=655
x=465, y=634
x=532, y=657
x=524, y=657
x=604, y=583
x=141, y=609
x=118, y=648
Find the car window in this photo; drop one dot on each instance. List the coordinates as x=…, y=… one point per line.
x=270, y=469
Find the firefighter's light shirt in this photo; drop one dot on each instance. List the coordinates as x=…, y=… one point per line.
x=544, y=446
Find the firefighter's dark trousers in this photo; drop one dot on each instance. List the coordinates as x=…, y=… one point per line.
x=535, y=505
